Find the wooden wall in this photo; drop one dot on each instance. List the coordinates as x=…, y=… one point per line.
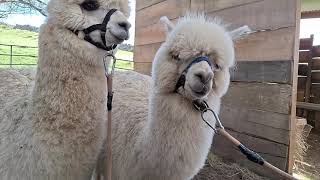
x=258, y=108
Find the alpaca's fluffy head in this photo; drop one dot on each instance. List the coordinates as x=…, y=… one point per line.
x=80, y=14
x=195, y=35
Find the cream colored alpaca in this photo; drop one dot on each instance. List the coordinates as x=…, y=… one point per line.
x=55, y=130
x=157, y=133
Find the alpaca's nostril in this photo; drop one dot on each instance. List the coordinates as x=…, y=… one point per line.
x=204, y=77
x=124, y=25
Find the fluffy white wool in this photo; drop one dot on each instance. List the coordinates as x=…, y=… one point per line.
x=157, y=133
x=54, y=130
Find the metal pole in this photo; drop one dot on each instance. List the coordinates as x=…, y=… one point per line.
x=10, y=55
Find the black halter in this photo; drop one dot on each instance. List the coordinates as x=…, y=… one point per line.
x=182, y=79
x=103, y=28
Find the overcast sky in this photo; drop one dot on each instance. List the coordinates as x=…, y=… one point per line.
x=37, y=20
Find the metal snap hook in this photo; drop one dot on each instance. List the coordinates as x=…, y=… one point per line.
x=109, y=70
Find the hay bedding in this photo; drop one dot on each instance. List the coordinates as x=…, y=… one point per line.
x=217, y=169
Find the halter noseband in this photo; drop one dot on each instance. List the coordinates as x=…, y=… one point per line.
x=182, y=79
x=103, y=28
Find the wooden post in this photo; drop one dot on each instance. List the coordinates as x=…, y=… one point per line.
x=10, y=55
x=308, y=81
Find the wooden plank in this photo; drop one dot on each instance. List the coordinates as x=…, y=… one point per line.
x=170, y=8
x=300, y=95
x=306, y=43
x=261, y=124
x=295, y=49
x=258, y=15
x=144, y=68
x=316, y=51
x=304, y=56
x=263, y=71
x=266, y=46
x=218, y=5
x=302, y=82
x=197, y=5
x=270, y=119
x=317, y=121
x=315, y=77
x=140, y=4
x=310, y=106
x=151, y=34
x=262, y=46
x=268, y=97
x=145, y=53
x=303, y=68
x=274, y=153
x=316, y=63
x=310, y=14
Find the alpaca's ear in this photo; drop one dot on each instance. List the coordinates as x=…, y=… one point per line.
x=240, y=32
x=167, y=24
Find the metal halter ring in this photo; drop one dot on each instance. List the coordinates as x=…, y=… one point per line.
x=106, y=68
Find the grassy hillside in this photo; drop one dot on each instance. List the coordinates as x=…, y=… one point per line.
x=28, y=38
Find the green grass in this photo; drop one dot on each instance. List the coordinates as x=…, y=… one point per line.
x=27, y=38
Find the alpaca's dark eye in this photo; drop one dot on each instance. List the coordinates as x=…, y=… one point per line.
x=217, y=67
x=175, y=57
x=90, y=5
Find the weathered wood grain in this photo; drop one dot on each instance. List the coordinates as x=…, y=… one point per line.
x=261, y=46
x=144, y=68
x=270, y=97
x=262, y=124
x=315, y=77
x=269, y=119
x=197, y=5
x=293, y=100
x=218, y=5
x=304, y=56
x=258, y=15
x=140, y=4
x=170, y=8
x=303, y=67
x=263, y=71
x=274, y=153
x=145, y=53
x=302, y=82
x=306, y=43
x=316, y=64
x=266, y=46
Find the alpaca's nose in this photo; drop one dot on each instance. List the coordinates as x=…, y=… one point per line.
x=204, y=77
x=124, y=25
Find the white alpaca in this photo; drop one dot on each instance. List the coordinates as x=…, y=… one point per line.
x=157, y=133
x=56, y=129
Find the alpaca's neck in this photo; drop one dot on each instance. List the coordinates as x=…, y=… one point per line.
x=69, y=91
x=175, y=133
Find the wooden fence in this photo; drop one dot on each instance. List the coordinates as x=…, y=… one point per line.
x=259, y=107
x=9, y=57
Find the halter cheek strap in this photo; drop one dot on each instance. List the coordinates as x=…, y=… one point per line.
x=103, y=28
x=182, y=79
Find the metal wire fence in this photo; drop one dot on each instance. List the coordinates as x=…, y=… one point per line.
x=23, y=56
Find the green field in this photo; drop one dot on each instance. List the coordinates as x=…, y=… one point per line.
x=18, y=37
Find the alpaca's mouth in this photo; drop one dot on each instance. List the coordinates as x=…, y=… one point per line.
x=199, y=92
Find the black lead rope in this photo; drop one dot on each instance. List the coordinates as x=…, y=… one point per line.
x=203, y=107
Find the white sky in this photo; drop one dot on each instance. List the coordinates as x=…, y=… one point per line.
x=37, y=20
x=308, y=26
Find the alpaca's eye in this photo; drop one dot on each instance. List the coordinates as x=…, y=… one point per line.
x=175, y=57
x=217, y=67
x=90, y=5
